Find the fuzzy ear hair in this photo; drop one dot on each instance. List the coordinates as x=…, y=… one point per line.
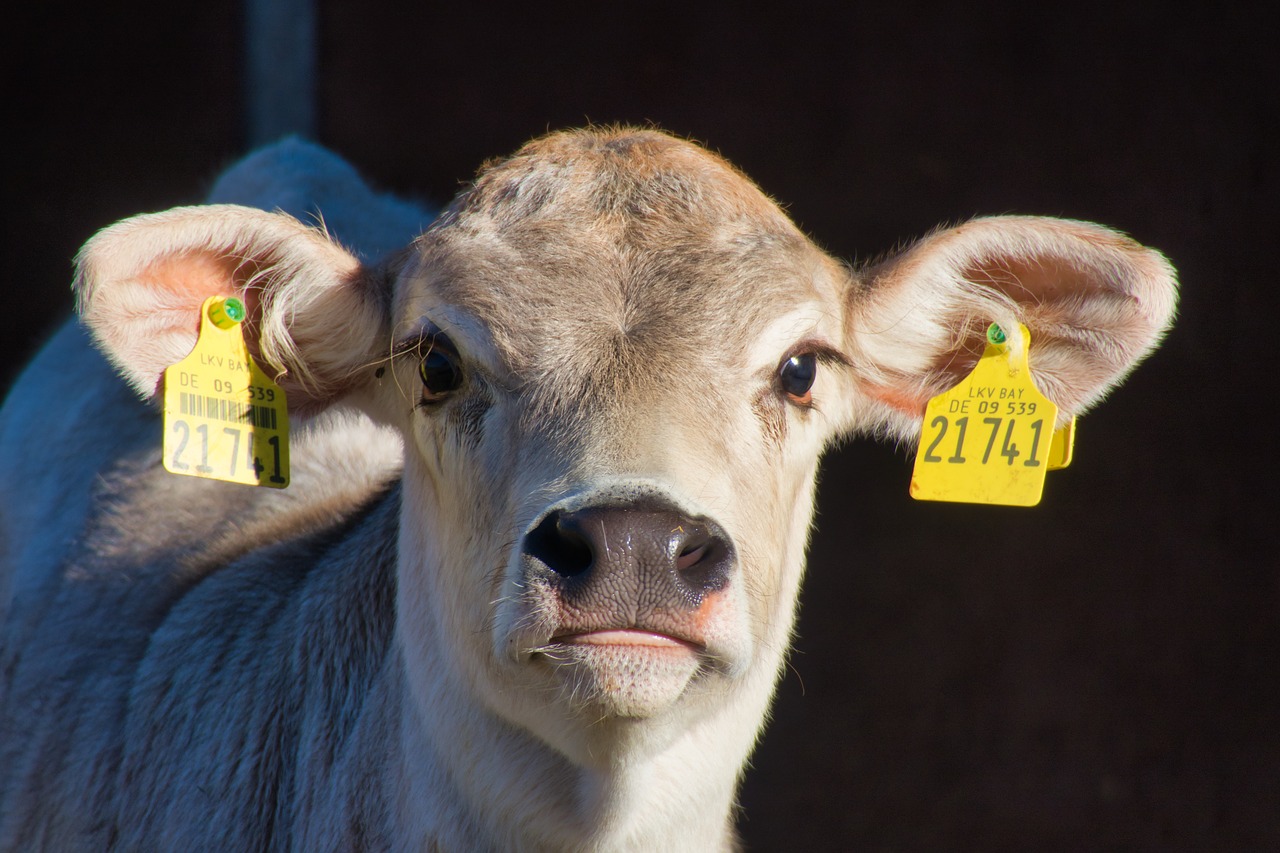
x=1096, y=303
x=315, y=314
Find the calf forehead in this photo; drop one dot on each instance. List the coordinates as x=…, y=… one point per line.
x=607, y=257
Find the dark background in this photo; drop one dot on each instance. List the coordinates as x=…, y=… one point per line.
x=1098, y=673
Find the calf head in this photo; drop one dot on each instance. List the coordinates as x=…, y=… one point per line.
x=615, y=364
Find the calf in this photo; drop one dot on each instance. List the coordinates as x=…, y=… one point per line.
x=533, y=582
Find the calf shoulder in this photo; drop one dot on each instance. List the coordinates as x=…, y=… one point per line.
x=144, y=611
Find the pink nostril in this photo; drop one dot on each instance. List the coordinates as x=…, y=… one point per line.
x=690, y=556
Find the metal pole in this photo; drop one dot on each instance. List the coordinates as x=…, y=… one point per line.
x=281, y=75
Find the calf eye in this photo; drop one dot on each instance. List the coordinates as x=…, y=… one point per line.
x=440, y=374
x=796, y=375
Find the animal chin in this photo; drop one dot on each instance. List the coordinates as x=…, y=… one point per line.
x=622, y=672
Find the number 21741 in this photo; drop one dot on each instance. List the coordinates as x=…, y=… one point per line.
x=953, y=435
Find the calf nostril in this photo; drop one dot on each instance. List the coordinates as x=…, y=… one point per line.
x=693, y=550
x=690, y=557
x=561, y=547
x=703, y=559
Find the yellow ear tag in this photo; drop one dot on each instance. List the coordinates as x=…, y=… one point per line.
x=988, y=440
x=224, y=419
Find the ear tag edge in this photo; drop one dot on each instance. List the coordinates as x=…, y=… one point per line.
x=1063, y=449
x=224, y=418
x=987, y=439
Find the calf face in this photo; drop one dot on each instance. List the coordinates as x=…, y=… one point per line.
x=614, y=364
x=627, y=325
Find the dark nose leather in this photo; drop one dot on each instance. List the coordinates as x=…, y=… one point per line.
x=643, y=555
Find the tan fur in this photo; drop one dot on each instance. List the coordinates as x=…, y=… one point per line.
x=380, y=657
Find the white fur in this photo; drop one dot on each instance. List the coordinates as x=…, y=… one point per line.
x=360, y=661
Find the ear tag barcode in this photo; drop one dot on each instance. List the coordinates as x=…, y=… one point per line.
x=990, y=439
x=224, y=419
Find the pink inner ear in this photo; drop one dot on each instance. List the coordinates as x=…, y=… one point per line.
x=192, y=277
x=142, y=282
x=152, y=321
x=1034, y=283
x=1051, y=292
x=1095, y=302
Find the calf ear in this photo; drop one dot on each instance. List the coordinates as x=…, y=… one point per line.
x=315, y=314
x=1094, y=301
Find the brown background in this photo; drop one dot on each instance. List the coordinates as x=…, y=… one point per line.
x=1097, y=673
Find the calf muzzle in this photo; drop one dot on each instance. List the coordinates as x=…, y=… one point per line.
x=630, y=558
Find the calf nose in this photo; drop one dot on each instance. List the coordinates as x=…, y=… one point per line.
x=648, y=549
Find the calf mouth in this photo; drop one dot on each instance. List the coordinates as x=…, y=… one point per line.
x=633, y=637
x=621, y=672
x=613, y=666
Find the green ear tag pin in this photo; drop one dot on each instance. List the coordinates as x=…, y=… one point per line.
x=226, y=313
